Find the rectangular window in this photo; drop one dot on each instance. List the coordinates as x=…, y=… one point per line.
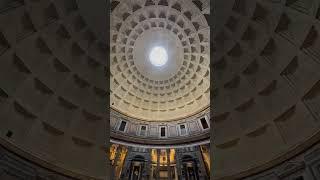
x=183, y=130
x=122, y=126
x=163, y=132
x=204, y=123
x=143, y=130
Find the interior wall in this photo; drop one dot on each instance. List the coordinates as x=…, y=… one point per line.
x=266, y=77
x=53, y=86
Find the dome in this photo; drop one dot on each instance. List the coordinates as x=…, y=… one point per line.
x=266, y=77
x=53, y=89
x=159, y=89
x=177, y=89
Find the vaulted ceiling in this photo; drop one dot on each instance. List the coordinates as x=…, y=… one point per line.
x=181, y=87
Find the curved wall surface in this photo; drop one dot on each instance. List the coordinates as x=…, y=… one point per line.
x=194, y=128
x=301, y=167
x=53, y=86
x=266, y=75
x=14, y=167
x=266, y=88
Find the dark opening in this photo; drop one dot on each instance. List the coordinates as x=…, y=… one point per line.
x=163, y=132
x=183, y=129
x=9, y=134
x=143, y=128
x=299, y=178
x=122, y=126
x=204, y=123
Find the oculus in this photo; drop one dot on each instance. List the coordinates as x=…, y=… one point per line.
x=158, y=56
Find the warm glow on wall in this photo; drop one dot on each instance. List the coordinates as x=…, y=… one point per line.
x=163, y=156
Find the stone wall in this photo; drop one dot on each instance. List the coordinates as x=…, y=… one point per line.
x=14, y=167
x=305, y=166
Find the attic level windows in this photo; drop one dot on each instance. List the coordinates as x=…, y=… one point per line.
x=143, y=130
x=162, y=132
x=204, y=123
x=122, y=126
x=183, y=130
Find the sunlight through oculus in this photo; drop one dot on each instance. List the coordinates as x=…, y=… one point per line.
x=158, y=56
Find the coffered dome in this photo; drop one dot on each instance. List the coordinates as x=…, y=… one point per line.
x=180, y=87
x=266, y=85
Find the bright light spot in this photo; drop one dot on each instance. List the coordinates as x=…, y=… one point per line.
x=158, y=56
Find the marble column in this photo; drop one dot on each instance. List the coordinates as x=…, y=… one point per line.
x=116, y=159
x=202, y=166
x=178, y=164
x=148, y=165
x=168, y=165
x=158, y=164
